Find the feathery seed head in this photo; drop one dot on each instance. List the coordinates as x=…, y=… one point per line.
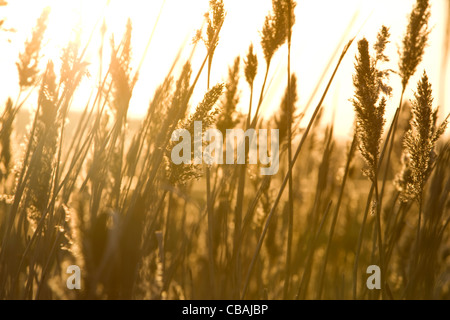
x=182, y=91
x=251, y=65
x=369, y=106
x=419, y=143
x=45, y=141
x=214, y=19
x=415, y=40
x=27, y=65
x=269, y=41
x=275, y=29
x=48, y=97
x=72, y=69
x=121, y=74
x=287, y=112
x=206, y=113
x=382, y=41
x=227, y=118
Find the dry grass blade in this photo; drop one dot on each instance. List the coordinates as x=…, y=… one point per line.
x=283, y=185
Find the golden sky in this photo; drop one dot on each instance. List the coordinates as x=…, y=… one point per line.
x=320, y=26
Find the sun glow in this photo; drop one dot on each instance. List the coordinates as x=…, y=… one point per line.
x=317, y=34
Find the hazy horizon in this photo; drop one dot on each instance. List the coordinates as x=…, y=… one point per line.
x=339, y=22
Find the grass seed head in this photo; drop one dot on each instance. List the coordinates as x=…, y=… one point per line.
x=287, y=111
x=251, y=66
x=419, y=143
x=227, y=118
x=27, y=65
x=368, y=103
x=415, y=40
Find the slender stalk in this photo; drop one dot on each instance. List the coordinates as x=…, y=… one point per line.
x=418, y=229
x=289, y=146
x=369, y=198
x=249, y=115
x=261, y=95
x=391, y=140
x=210, y=211
x=302, y=288
x=336, y=213
x=414, y=269
x=209, y=205
x=380, y=241
x=283, y=185
x=241, y=192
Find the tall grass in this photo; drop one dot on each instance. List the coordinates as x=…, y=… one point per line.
x=111, y=200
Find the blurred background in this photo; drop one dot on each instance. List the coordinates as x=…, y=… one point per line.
x=321, y=30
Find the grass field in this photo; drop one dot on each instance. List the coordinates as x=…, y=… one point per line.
x=100, y=191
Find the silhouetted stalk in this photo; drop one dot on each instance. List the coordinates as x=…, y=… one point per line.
x=303, y=287
x=390, y=141
x=241, y=192
x=335, y=216
x=380, y=241
x=289, y=146
x=283, y=185
x=361, y=231
x=250, y=107
x=261, y=95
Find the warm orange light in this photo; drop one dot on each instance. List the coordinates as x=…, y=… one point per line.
x=320, y=25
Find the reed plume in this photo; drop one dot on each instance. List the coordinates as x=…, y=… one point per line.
x=123, y=83
x=72, y=69
x=45, y=142
x=122, y=79
x=227, y=118
x=273, y=33
x=418, y=161
x=214, y=20
x=207, y=114
x=251, y=66
x=419, y=143
x=415, y=40
x=29, y=58
x=370, y=101
x=286, y=115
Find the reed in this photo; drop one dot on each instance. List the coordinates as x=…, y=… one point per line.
x=104, y=193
